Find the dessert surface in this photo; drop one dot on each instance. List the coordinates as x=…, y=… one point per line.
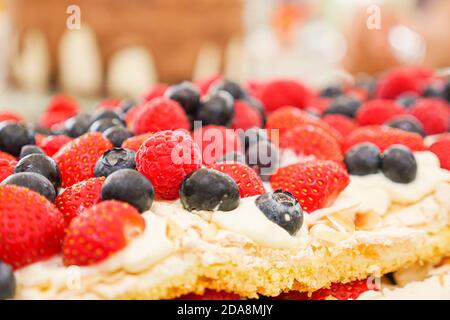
x=216, y=189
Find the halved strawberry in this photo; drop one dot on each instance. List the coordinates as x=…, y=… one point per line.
x=78, y=197
x=314, y=184
x=247, y=180
x=31, y=228
x=384, y=137
x=339, y=291
x=211, y=295
x=307, y=140
x=100, y=231
x=76, y=159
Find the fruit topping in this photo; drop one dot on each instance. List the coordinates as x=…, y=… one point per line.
x=33, y=181
x=399, y=164
x=113, y=160
x=13, y=136
x=117, y=135
x=216, y=108
x=363, y=159
x=208, y=189
x=281, y=208
x=186, y=94
x=7, y=282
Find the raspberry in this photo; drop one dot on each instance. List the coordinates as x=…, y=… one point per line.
x=60, y=109
x=52, y=144
x=377, y=112
x=245, y=116
x=166, y=158
x=160, y=114
x=215, y=142
x=155, y=92
x=433, y=114
x=343, y=124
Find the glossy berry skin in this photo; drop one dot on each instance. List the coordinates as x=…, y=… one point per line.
x=332, y=91
x=208, y=189
x=407, y=100
x=33, y=181
x=399, y=164
x=113, y=160
x=407, y=123
x=105, y=114
x=103, y=124
x=129, y=186
x=77, y=125
x=166, y=158
x=30, y=149
x=7, y=282
x=363, y=159
x=13, y=136
x=76, y=160
x=233, y=88
x=35, y=229
x=101, y=231
x=432, y=91
x=246, y=179
x=217, y=108
x=117, y=135
x=344, y=105
x=186, y=94
x=281, y=208
x=41, y=164
x=78, y=197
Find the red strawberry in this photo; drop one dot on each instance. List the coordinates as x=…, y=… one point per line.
x=215, y=142
x=78, y=197
x=340, y=291
x=315, y=184
x=384, y=137
x=247, y=180
x=433, y=114
x=60, y=109
x=211, y=295
x=38, y=138
x=442, y=149
x=11, y=116
x=134, y=143
x=284, y=92
x=310, y=140
x=377, y=112
x=166, y=158
x=160, y=114
x=401, y=80
x=6, y=156
x=341, y=123
x=52, y=144
x=6, y=168
x=156, y=91
x=109, y=104
x=76, y=159
x=287, y=118
x=100, y=231
x=130, y=116
x=31, y=228
x=204, y=83
x=319, y=104
x=245, y=116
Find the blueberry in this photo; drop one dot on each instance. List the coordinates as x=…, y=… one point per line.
x=126, y=105
x=331, y=91
x=129, y=186
x=117, y=135
x=407, y=123
x=30, y=149
x=33, y=181
x=446, y=92
x=7, y=281
x=113, y=160
x=344, y=105
x=35, y=128
x=229, y=86
x=77, y=125
x=208, y=189
x=262, y=157
x=432, y=91
x=13, y=136
x=106, y=114
x=407, y=100
x=104, y=124
x=232, y=156
x=41, y=164
x=186, y=94
x=363, y=159
x=399, y=164
x=283, y=209
x=217, y=109
x=253, y=135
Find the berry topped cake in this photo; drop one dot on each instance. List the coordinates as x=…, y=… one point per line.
x=220, y=190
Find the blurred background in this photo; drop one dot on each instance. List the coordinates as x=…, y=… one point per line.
x=92, y=49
